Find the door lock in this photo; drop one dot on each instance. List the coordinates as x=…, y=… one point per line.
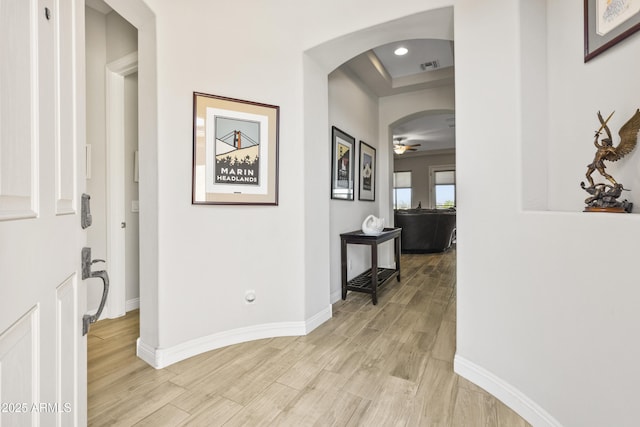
x=85, y=217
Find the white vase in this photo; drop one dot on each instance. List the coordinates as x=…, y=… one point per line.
x=372, y=225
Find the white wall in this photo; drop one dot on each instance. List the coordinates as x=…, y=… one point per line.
x=355, y=111
x=577, y=91
x=132, y=232
x=122, y=37
x=421, y=183
x=96, y=59
x=109, y=37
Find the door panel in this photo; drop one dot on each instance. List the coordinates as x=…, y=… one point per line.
x=65, y=135
x=19, y=360
x=18, y=108
x=42, y=296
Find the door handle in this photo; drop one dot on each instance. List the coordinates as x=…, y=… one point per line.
x=88, y=319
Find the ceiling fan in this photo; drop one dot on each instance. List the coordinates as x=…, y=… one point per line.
x=400, y=148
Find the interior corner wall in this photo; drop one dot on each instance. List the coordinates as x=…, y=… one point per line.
x=354, y=111
x=534, y=109
x=317, y=135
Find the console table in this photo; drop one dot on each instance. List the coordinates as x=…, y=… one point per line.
x=375, y=277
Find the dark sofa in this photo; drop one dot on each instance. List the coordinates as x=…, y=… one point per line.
x=426, y=230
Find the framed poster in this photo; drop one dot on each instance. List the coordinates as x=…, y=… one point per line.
x=235, y=151
x=342, y=165
x=607, y=23
x=367, y=181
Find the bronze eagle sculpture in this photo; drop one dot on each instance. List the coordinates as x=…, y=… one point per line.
x=605, y=149
x=604, y=196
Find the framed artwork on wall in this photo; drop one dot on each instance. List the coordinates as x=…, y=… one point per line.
x=607, y=23
x=342, y=164
x=235, y=151
x=367, y=181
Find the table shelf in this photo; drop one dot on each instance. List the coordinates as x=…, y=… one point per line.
x=362, y=282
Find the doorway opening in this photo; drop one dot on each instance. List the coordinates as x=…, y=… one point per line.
x=355, y=65
x=112, y=135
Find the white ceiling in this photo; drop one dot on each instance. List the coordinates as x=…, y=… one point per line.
x=386, y=74
x=434, y=132
x=419, y=52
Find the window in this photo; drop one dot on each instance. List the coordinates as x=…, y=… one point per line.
x=402, y=190
x=444, y=188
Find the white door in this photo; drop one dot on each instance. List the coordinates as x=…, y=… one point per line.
x=42, y=140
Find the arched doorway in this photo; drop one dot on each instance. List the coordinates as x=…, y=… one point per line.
x=319, y=62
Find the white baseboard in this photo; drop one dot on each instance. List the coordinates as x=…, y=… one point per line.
x=162, y=357
x=317, y=319
x=132, y=304
x=146, y=353
x=509, y=395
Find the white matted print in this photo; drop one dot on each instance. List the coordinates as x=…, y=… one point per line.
x=367, y=181
x=613, y=13
x=342, y=164
x=235, y=158
x=607, y=23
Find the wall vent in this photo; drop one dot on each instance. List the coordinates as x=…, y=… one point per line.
x=431, y=65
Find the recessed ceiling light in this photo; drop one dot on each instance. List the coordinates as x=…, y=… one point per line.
x=401, y=51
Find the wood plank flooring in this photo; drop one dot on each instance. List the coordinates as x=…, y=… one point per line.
x=384, y=365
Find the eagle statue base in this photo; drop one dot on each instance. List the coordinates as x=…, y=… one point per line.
x=604, y=198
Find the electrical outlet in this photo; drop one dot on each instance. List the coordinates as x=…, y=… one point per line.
x=250, y=297
x=349, y=265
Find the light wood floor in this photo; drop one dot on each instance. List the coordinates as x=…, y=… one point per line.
x=384, y=365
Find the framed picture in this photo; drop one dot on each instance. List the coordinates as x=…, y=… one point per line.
x=607, y=23
x=235, y=151
x=367, y=181
x=342, y=164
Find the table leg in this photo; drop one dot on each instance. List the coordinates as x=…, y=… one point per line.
x=343, y=256
x=374, y=273
x=397, y=255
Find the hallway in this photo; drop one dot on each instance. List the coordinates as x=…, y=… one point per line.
x=389, y=364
